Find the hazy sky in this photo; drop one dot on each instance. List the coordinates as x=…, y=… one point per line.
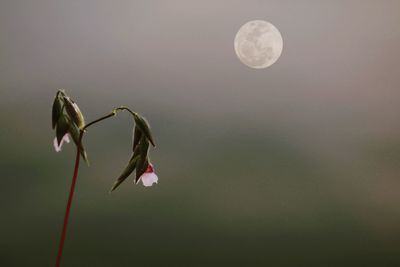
x=318, y=131
x=337, y=54
x=339, y=64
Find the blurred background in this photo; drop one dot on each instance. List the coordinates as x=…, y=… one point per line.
x=294, y=165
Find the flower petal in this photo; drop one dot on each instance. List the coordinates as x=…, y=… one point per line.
x=148, y=178
x=57, y=146
x=66, y=139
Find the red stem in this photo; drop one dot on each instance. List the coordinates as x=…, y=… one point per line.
x=69, y=203
x=72, y=190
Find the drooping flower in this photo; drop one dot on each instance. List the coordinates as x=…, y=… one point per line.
x=58, y=146
x=149, y=177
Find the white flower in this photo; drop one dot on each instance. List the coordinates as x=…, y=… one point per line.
x=149, y=177
x=57, y=146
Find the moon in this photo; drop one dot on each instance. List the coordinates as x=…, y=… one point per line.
x=258, y=44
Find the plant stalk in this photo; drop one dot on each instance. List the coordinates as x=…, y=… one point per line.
x=74, y=178
x=69, y=203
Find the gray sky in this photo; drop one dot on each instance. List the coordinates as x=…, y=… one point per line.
x=340, y=57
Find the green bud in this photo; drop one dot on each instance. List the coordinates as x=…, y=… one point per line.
x=137, y=135
x=74, y=112
x=142, y=170
x=142, y=124
x=56, y=110
x=143, y=160
x=75, y=133
x=62, y=127
x=130, y=167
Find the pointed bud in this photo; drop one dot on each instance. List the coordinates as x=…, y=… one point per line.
x=62, y=127
x=75, y=133
x=140, y=172
x=130, y=167
x=143, y=160
x=137, y=135
x=143, y=125
x=56, y=110
x=74, y=112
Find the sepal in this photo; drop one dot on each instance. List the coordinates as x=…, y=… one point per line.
x=144, y=126
x=62, y=127
x=75, y=133
x=143, y=161
x=56, y=110
x=74, y=112
x=130, y=167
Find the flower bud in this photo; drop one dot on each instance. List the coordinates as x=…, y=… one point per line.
x=75, y=133
x=137, y=135
x=143, y=160
x=74, y=112
x=62, y=127
x=56, y=110
x=142, y=124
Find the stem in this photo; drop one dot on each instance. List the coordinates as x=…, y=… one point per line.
x=69, y=203
x=134, y=114
x=74, y=178
x=112, y=114
x=100, y=119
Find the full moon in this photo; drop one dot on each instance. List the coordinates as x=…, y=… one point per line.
x=258, y=44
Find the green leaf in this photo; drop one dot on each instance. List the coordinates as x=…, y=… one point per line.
x=130, y=167
x=62, y=127
x=75, y=133
x=74, y=112
x=56, y=110
x=143, y=125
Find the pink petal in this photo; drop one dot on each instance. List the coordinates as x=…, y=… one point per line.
x=57, y=148
x=148, y=178
x=64, y=139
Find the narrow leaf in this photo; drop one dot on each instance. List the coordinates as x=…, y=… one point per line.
x=130, y=167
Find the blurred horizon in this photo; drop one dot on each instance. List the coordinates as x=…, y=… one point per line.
x=294, y=165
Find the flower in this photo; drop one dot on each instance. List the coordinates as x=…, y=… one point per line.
x=149, y=177
x=57, y=146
